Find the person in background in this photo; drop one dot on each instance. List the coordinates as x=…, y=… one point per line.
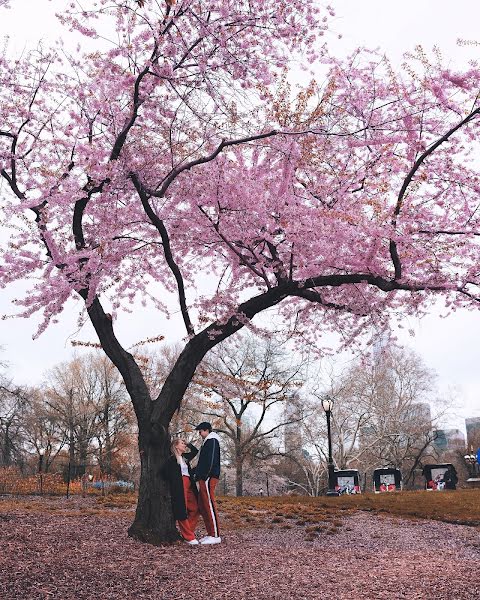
x=183, y=489
x=207, y=473
x=450, y=478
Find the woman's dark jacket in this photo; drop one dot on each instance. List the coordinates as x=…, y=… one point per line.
x=173, y=474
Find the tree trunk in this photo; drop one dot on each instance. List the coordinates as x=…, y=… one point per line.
x=108, y=442
x=71, y=449
x=80, y=467
x=7, y=448
x=238, y=458
x=154, y=522
x=238, y=475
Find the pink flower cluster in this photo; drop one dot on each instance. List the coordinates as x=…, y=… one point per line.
x=180, y=156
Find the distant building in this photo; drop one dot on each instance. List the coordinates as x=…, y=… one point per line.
x=472, y=426
x=449, y=439
x=292, y=415
x=380, y=342
x=421, y=413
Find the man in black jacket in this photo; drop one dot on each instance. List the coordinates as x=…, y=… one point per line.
x=207, y=473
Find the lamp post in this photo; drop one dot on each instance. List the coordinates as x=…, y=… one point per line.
x=327, y=405
x=471, y=461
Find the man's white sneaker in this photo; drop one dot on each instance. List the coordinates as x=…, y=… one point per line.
x=210, y=540
x=192, y=542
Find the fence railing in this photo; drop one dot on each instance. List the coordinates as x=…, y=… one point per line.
x=12, y=481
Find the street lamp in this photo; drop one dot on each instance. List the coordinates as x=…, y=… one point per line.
x=327, y=405
x=40, y=469
x=471, y=461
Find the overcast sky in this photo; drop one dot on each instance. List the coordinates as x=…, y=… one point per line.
x=449, y=346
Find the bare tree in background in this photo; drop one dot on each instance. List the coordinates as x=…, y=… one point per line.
x=246, y=383
x=400, y=392
x=381, y=417
x=43, y=432
x=115, y=418
x=87, y=398
x=13, y=400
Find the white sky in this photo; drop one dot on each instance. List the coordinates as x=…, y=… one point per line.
x=449, y=346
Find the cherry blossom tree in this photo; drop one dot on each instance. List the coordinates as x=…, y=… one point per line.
x=178, y=155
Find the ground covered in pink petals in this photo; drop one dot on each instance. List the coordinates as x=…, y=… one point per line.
x=67, y=554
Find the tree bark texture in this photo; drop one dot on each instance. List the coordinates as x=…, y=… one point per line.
x=238, y=459
x=154, y=522
x=239, y=475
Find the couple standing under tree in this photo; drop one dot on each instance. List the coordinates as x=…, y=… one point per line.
x=188, y=500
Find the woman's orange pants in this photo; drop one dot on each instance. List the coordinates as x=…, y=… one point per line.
x=187, y=526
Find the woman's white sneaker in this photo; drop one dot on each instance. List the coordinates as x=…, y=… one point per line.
x=192, y=542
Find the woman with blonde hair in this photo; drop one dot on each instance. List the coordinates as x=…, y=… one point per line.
x=183, y=489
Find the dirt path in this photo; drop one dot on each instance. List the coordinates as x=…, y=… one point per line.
x=68, y=556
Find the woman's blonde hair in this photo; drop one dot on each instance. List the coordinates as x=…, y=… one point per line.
x=175, y=452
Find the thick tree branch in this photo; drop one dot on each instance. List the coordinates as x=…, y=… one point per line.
x=160, y=226
x=397, y=265
x=421, y=159
x=448, y=232
x=123, y=360
x=122, y=136
x=79, y=209
x=174, y=173
x=182, y=373
x=278, y=266
x=314, y=296
x=408, y=179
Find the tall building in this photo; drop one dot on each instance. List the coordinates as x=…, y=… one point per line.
x=472, y=426
x=449, y=439
x=381, y=341
x=421, y=413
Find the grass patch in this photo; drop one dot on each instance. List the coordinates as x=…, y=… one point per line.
x=313, y=515
x=459, y=507
x=74, y=506
x=118, y=500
